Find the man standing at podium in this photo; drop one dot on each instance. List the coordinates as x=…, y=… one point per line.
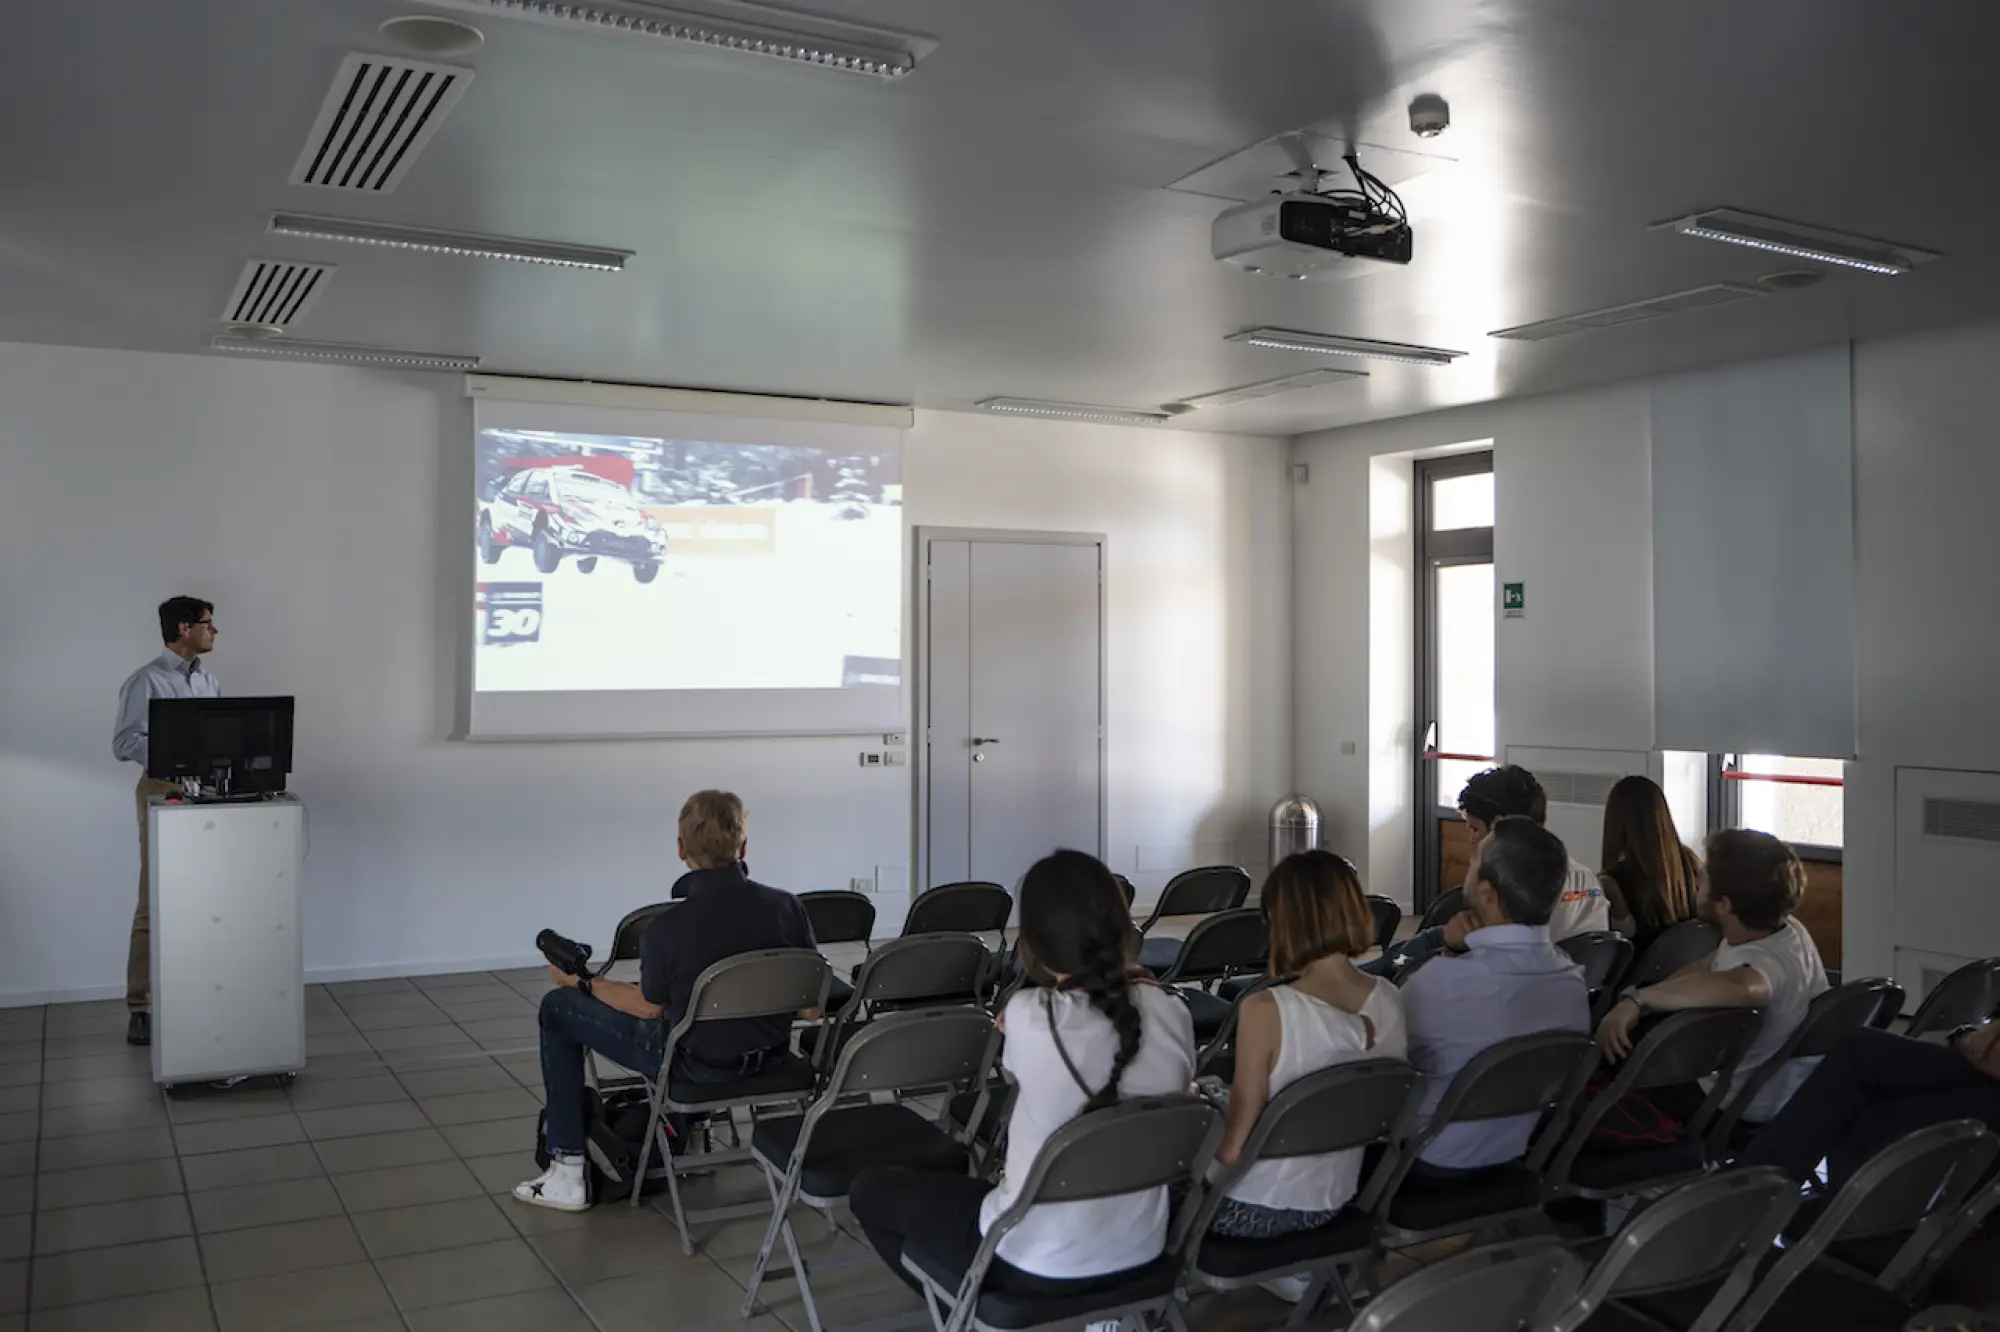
x=187, y=625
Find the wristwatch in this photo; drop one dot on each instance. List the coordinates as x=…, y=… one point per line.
x=1632, y=992
x=583, y=984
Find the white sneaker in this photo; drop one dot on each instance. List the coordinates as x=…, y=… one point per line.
x=562, y=1187
x=1291, y=1289
x=1108, y=1325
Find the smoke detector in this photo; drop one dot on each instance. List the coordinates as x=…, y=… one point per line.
x=428, y=35
x=1430, y=116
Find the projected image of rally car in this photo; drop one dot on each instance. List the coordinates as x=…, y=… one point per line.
x=555, y=509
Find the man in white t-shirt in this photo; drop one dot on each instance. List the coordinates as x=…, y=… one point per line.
x=1750, y=888
x=1494, y=794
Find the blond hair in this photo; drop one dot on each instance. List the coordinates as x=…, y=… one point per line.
x=712, y=829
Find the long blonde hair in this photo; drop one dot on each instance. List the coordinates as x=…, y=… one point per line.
x=1640, y=838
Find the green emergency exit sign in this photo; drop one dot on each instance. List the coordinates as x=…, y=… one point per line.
x=1514, y=600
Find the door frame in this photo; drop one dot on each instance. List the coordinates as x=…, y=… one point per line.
x=920, y=749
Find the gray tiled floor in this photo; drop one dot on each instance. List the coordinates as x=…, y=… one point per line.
x=371, y=1194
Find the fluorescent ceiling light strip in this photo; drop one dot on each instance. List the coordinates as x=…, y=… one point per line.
x=1798, y=241
x=353, y=353
x=430, y=240
x=1269, y=388
x=1072, y=411
x=1333, y=344
x=822, y=43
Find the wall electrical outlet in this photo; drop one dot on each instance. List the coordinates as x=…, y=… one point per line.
x=896, y=758
x=895, y=738
x=862, y=885
x=871, y=758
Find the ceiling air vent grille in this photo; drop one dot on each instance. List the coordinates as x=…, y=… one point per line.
x=1962, y=820
x=275, y=292
x=1578, y=788
x=1633, y=312
x=377, y=116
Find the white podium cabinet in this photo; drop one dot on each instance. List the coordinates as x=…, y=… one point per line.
x=228, y=967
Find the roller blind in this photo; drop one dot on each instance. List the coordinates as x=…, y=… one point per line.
x=1753, y=557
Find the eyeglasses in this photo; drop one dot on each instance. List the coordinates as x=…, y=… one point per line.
x=202, y=624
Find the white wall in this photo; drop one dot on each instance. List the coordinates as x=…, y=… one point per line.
x=306, y=501
x=1572, y=522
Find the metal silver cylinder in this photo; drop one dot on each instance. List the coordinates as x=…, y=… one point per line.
x=1294, y=826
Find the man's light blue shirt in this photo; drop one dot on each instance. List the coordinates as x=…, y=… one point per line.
x=1511, y=982
x=165, y=676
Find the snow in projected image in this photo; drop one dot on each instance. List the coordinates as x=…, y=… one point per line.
x=610, y=562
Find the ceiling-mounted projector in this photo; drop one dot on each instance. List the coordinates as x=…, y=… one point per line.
x=1301, y=233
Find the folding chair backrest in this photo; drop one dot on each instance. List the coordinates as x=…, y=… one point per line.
x=1970, y=994
x=631, y=932
x=1198, y=892
x=924, y=966
x=1228, y=943
x=839, y=916
x=760, y=984
x=1932, y=1169
x=1519, y=1076
x=1498, y=1288
x=968, y=908
x=1604, y=955
x=1925, y=1177
x=1225, y=1035
x=1127, y=1148
x=1388, y=917
x=1828, y=1020
x=1677, y=1049
x=1348, y=1105
x=1125, y=887
x=1717, y=1228
x=1447, y=905
x=1676, y=946
x=927, y=1047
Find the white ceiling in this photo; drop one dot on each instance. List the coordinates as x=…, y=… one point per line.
x=1000, y=222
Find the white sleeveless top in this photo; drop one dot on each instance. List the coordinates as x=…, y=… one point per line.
x=1312, y=1035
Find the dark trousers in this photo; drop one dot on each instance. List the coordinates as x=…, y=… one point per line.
x=893, y=1203
x=573, y=1022
x=1871, y=1090
x=1397, y=956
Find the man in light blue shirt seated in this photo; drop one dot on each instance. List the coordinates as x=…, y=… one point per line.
x=1511, y=981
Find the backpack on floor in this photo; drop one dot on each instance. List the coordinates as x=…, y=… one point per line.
x=614, y=1133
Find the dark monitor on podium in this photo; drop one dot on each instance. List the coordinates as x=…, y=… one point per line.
x=231, y=746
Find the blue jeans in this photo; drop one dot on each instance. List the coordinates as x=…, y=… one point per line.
x=573, y=1022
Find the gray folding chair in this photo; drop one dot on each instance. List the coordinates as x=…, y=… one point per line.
x=1914, y=1186
x=1217, y=1056
x=1446, y=905
x=1499, y=1288
x=1539, y=1074
x=1714, y=1232
x=1970, y=994
x=776, y=982
x=960, y=908
x=839, y=915
x=1346, y=1107
x=1605, y=956
x=1388, y=917
x=813, y=1158
x=631, y=933
x=1676, y=946
x=1195, y=892
x=1829, y=1018
x=1142, y=1144
x=926, y=969
x=1229, y=943
x=1676, y=1049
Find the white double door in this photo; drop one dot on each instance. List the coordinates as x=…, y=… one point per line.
x=1013, y=748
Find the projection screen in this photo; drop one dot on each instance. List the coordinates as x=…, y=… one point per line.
x=646, y=571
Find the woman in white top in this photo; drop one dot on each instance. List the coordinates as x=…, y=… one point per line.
x=1328, y=1013
x=1084, y=1032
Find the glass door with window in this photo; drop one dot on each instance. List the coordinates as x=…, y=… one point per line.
x=1456, y=605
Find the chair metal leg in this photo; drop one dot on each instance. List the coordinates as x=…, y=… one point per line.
x=646, y=1151
x=781, y=1191
x=674, y=1193
x=1309, y=1303
x=799, y=1273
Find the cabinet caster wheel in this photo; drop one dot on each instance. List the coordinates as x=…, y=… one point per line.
x=287, y=1079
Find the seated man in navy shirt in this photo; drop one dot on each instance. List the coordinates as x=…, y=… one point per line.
x=724, y=913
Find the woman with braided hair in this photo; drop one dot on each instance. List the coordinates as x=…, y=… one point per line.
x=1086, y=1030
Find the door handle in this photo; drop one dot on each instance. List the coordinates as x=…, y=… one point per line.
x=978, y=740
